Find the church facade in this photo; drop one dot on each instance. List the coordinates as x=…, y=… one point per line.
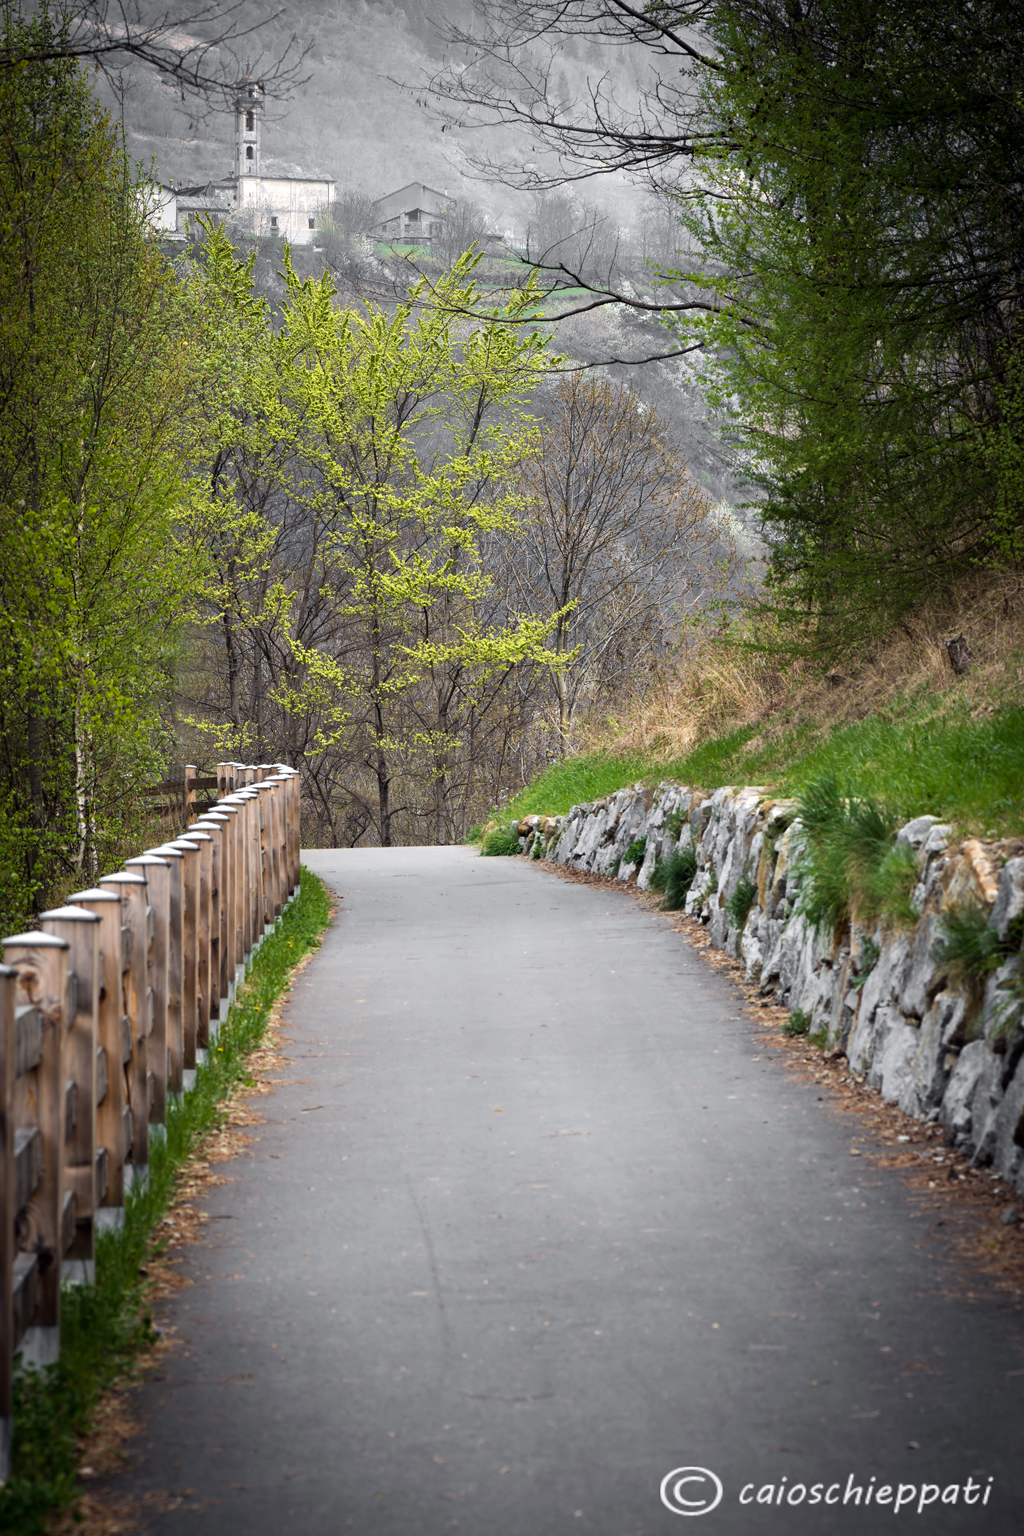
x=261, y=197
x=266, y=197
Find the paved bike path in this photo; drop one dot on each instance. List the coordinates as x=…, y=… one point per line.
x=533, y=1222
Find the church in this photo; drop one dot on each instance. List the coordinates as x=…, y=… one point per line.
x=261, y=197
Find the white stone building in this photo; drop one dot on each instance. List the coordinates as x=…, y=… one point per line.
x=261, y=197
x=271, y=198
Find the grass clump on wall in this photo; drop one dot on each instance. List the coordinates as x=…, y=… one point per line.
x=854, y=868
x=971, y=947
x=674, y=876
x=740, y=902
x=104, y=1326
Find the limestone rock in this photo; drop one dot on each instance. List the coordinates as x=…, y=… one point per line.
x=1009, y=902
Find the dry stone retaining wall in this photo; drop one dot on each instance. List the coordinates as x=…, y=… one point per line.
x=879, y=997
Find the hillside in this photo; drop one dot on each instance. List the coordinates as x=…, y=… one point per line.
x=897, y=723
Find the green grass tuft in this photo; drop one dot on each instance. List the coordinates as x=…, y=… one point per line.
x=636, y=851
x=499, y=843
x=674, y=876
x=740, y=902
x=103, y=1327
x=854, y=868
x=970, y=947
x=798, y=1023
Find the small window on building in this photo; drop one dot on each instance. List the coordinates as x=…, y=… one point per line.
x=249, y=122
x=248, y=152
x=273, y=221
x=312, y=223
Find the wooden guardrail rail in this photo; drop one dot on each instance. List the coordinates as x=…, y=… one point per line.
x=105, y=1013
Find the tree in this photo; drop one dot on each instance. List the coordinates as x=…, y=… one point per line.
x=867, y=300
x=345, y=234
x=91, y=380
x=197, y=44
x=847, y=178
x=618, y=542
x=457, y=227
x=366, y=462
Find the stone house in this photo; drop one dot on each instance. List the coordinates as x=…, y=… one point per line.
x=406, y=216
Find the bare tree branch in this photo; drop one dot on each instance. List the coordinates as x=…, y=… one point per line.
x=202, y=46
x=504, y=73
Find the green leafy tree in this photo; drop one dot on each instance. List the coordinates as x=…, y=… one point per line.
x=849, y=267
x=859, y=227
x=91, y=380
x=370, y=459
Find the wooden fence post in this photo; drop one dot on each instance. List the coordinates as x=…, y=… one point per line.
x=82, y=1173
x=253, y=903
x=8, y=1343
x=137, y=1000
x=218, y=826
x=191, y=774
x=240, y=878
x=156, y=869
x=231, y=923
x=189, y=954
x=204, y=933
x=293, y=823
x=272, y=831
x=277, y=837
x=266, y=914
x=174, y=859
x=111, y=1128
x=41, y=960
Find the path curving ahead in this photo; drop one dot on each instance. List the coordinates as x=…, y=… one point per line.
x=531, y=1223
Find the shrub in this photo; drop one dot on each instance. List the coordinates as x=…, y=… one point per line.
x=854, y=868
x=475, y=834
x=970, y=947
x=634, y=854
x=798, y=1023
x=500, y=842
x=674, y=876
x=740, y=902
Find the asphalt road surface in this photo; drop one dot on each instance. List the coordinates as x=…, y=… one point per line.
x=531, y=1225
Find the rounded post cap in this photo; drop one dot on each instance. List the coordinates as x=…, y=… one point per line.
x=185, y=845
x=196, y=834
x=95, y=895
x=146, y=858
x=8, y=970
x=34, y=940
x=165, y=851
x=125, y=877
x=69, y=915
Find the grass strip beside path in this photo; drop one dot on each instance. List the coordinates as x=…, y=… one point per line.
x=104, y=1327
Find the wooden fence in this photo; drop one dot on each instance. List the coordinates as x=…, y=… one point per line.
x=105, y=1012
x=186, y=796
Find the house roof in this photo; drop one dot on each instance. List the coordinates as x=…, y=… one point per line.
x=406, y=198
x=211, y=204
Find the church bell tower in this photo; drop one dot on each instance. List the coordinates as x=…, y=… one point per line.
x=248, y=116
